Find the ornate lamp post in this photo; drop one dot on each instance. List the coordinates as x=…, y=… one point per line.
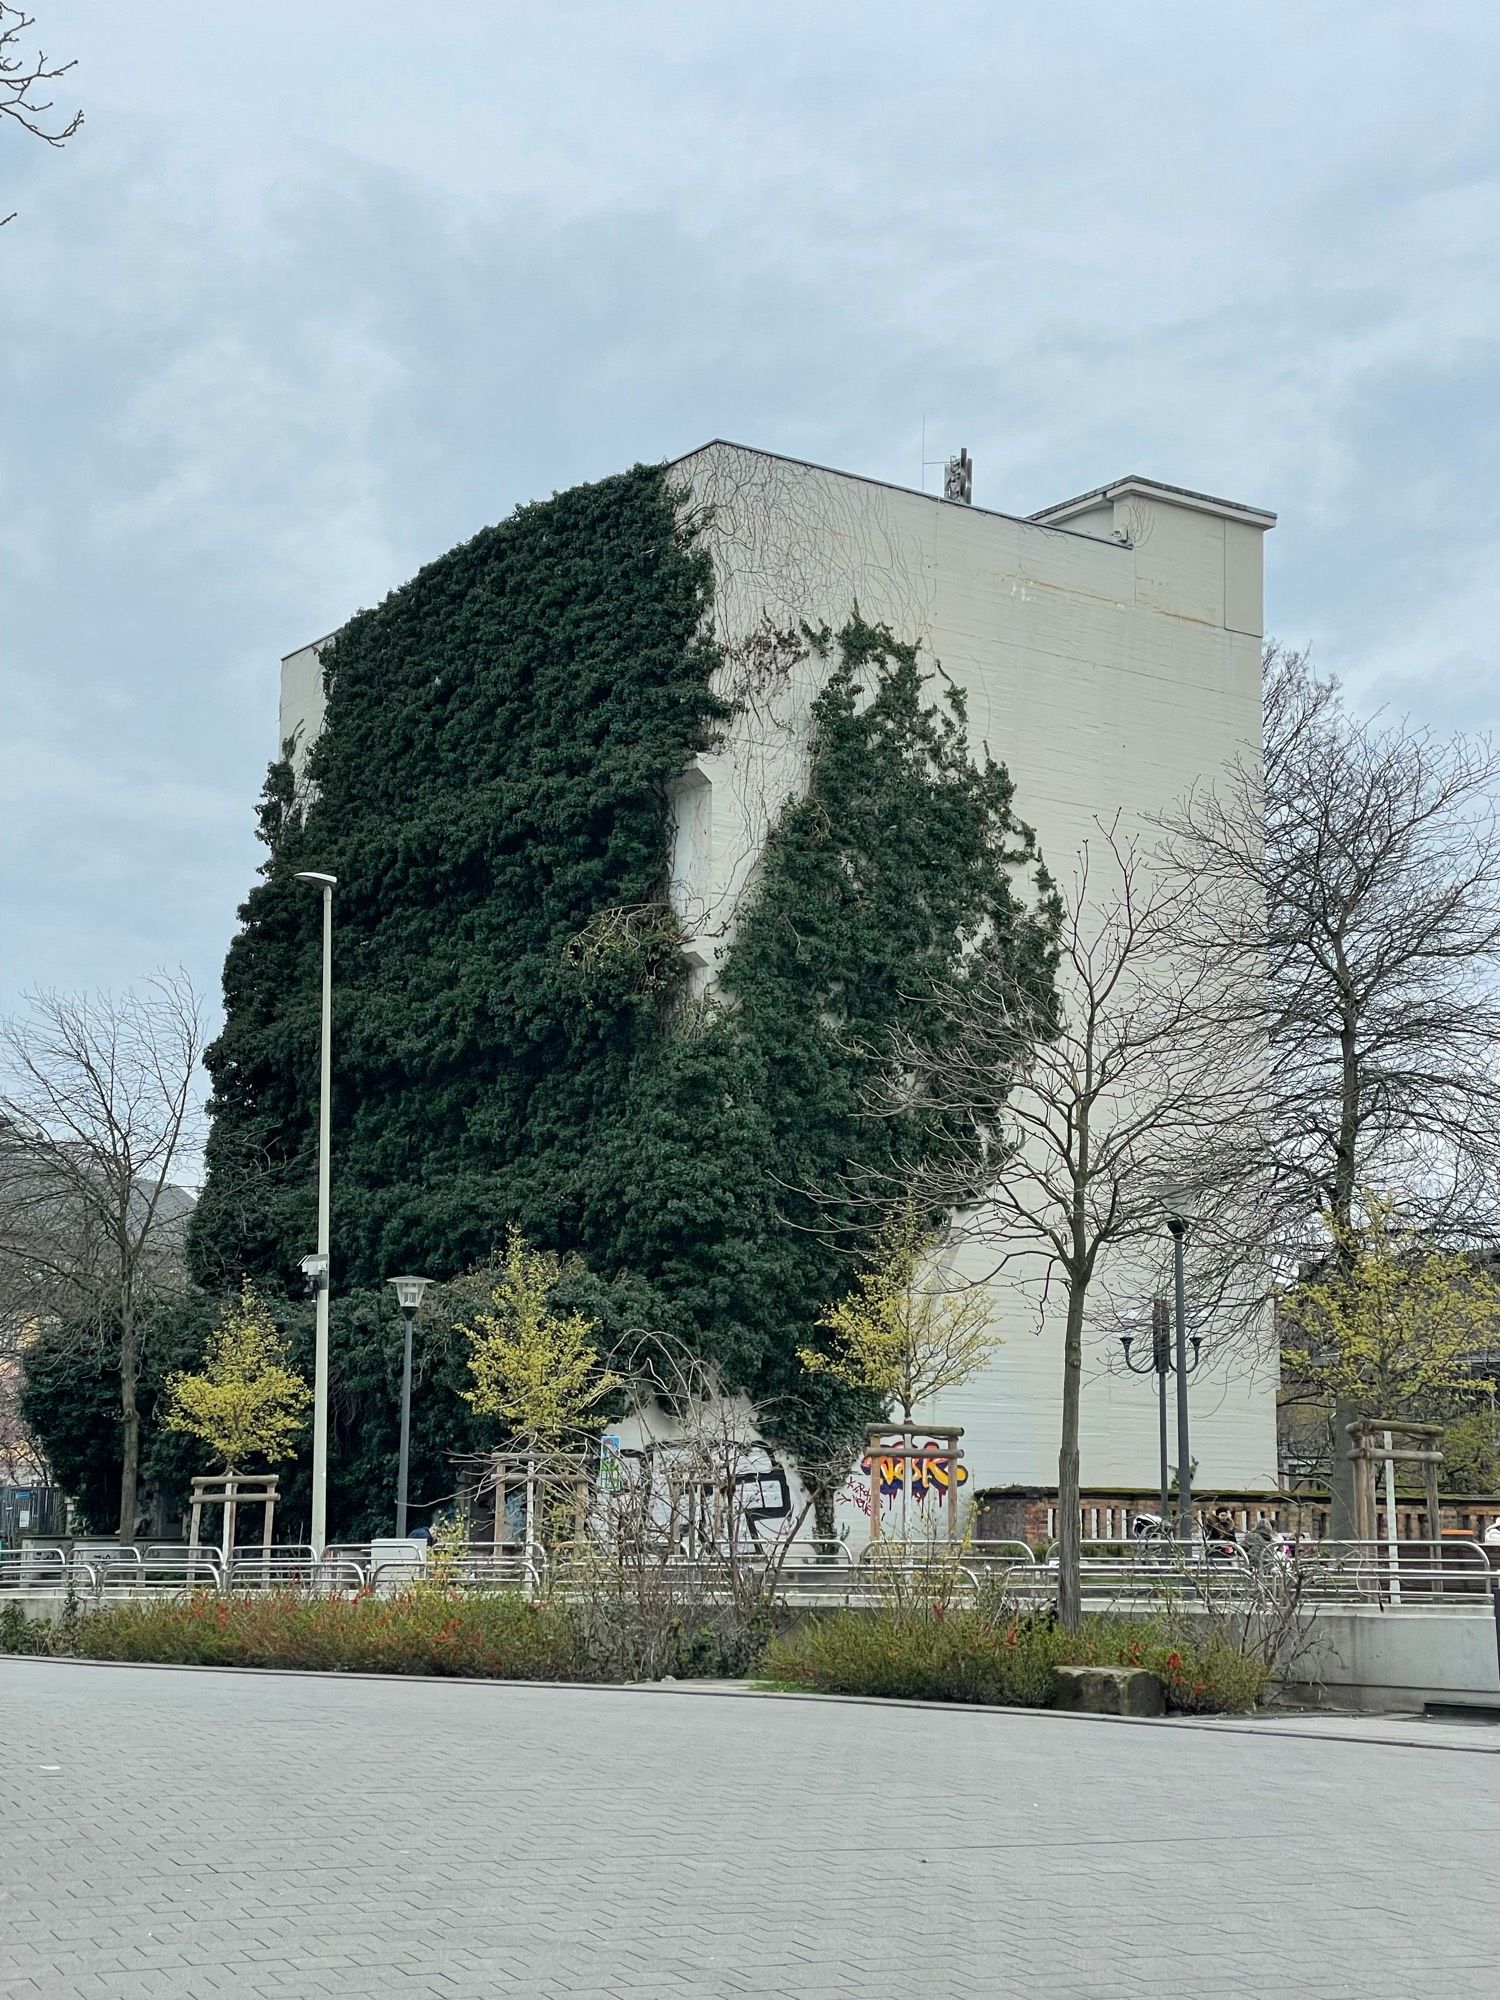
x=408, y=1296
x=1160, y=1365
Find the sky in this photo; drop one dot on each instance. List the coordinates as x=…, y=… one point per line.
x=320, y=290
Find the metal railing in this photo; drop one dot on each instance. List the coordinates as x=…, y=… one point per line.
x=1451, y=1575
x=36, y=1569
x=1423, y=1575
x=485, y=1566
x=293, y=1569
x=973, y=1554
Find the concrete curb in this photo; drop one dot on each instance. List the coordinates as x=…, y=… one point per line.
x=745, y=1691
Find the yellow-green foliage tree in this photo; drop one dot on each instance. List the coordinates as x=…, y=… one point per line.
x=897, y=1332
x=1391, y=1326
x=247, y=1403
x=535, y=1368
x=1471, y=1451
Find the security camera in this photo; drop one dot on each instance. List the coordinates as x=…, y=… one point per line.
x=315, y=1271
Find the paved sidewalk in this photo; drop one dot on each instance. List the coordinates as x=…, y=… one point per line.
x=178, y=1834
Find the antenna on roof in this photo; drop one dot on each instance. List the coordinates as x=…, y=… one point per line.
x=958, y=479
x=926, y=461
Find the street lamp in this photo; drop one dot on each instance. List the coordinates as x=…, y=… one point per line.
x=408, y=1296
x=1178, y=1222
x=320, y=1274
x=1160, y=1365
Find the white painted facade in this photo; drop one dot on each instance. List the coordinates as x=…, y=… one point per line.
x=1110, y=651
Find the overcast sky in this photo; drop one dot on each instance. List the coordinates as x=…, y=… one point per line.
x=320, y=289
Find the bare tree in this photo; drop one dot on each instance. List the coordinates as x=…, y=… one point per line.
x=99, y=1113
x=22, y=75
x=21, y=1456
x=1083, y=1117
x=1351, y=879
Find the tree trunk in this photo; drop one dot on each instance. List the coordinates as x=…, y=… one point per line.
x=1341, y=1502
x=1341, y=1505
x=130, y=1434
x=1069, y=1524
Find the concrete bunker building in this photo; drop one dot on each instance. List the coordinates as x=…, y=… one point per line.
x=1110, y=648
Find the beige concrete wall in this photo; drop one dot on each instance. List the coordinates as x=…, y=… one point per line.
x=300, y=719
x=1109, y=670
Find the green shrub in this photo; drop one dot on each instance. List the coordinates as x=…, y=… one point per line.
x=963, y=1656
x=421, y=1631
x=20, y=1634
x=957, y=1657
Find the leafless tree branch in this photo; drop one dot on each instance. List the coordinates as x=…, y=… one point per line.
x=21, y=76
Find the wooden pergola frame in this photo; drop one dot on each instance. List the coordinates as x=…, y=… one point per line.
x=898, y=1441
x=232, y=1490
x=536, y=1473
x=1389, y=1442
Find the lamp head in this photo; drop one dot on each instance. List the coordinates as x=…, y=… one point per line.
x=317, y=878
x=1180, y=1204
x=409, y=1292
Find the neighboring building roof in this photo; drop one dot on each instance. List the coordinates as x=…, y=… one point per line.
x=1134, y=486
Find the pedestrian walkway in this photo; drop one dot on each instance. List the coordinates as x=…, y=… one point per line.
x=185, y=1834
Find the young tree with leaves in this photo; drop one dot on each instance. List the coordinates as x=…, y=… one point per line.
x=535, y=1368
x=247, y=1402
x=1390, y=1326
x=898, y=1333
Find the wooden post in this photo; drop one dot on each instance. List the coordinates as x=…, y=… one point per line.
x=231, y=1491
x=953, y=1438
x=1434, y=1504
x=1364, y=1483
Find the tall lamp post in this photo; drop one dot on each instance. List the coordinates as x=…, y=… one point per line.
x=409, y=1297
x=1160, y=1365
x=318, y=1267
x=1178, y=1225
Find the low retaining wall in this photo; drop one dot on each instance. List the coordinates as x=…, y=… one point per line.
x=1380, y=1660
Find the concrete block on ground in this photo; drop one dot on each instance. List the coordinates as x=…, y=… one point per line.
x=1110, y=1691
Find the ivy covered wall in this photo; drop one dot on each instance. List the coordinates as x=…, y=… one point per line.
x=513, y=1037
x=489, y=776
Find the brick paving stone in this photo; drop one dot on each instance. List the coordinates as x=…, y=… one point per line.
x=223, y=1837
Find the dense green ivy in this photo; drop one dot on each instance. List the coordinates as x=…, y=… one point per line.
x=889, y=881
x=490, y=777
x=512, y=1037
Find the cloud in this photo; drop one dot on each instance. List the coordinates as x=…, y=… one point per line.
x=313, y=296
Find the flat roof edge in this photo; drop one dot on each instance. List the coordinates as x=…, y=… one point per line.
x=308, y=644
x=893, y=486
